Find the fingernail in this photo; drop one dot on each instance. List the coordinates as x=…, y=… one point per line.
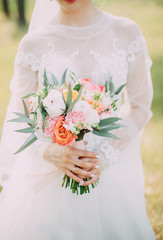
x=92, y=175
x=97, y=166
x=98, y=156
x=81, y=183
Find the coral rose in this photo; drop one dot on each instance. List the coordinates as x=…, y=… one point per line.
x=61, y=135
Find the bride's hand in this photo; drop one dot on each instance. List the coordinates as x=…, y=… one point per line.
x=95, y=173
x=67, y=159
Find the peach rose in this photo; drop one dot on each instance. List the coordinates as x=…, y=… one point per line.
x=95, y=105
x=61, y=135
x=74, y=94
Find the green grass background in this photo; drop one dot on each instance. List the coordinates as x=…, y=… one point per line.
x=149, y=15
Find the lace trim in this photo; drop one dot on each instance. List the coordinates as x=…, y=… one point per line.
x=28, y=59
x=134, y=47
x=109, y=155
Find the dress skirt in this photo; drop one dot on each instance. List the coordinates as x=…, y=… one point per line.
x=34, y=205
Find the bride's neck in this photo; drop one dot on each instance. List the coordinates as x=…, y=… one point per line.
x=82, y=17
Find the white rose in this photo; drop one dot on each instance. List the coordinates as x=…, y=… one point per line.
x=82, y=106
x=54, y=103
x=93, y=118
x=106, y=101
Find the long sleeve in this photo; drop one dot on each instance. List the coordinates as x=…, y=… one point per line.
x=138, y=94
x=24, y=80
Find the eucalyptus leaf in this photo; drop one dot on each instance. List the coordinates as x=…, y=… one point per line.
x=30, y=95
x=76, y=100
x=55, y=81
x=45, y=78
x=25, y=109
x=31, y=139
x=106, y=86
x=69, y=97
x=105, y=134
x=74, y=75
x=111, y=87
x=20, y=114
x=39, y=100
x=25, y=120
x=26, y=130
x=108, y=121
x=64, y=76
x=120, y=89
x=72, y=78
x=111, y=127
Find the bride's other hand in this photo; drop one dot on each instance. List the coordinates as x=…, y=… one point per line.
x=94, y=173
x=67, y=158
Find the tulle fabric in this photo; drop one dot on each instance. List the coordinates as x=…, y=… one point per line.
x=45, y=210
x=33, y=205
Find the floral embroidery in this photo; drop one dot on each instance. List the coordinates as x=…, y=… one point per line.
x=134, y=47
x=28, y=59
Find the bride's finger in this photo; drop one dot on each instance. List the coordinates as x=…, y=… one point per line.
x=92, y=180
x=79, y=171
x=83, y=164
x=85, y=153
x=73, y=176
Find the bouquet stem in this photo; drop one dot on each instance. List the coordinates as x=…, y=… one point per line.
x=76, y=187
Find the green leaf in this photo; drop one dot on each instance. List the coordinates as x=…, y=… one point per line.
x=74, y=74
x=26, y=130
x=55, y=81
x=25, y=109
x=120, y=89
x=39, y=100
x=20, y=114
x=45, y=91
x=77, y=99
x=45, y=78
x=105, y=134
x=111, y=87
x=72, y=78
x=64, y=76
x=77, y=87
x=31, y=139
x=111, y=127
x=30, y=95
x=108, y=121
x=25, y=120
x=106, y=86
x=69, y=97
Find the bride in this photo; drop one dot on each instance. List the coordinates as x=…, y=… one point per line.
x=33, y=205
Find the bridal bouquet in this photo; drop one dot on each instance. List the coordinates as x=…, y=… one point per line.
x=63, y=113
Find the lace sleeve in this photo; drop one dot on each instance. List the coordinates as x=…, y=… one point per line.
x=24, y=80
x=136, y=110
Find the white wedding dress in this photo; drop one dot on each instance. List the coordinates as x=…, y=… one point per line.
x=33, y=205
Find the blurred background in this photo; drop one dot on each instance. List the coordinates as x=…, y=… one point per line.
x=14, y=19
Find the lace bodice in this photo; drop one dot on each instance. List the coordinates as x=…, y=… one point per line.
x=112, y=47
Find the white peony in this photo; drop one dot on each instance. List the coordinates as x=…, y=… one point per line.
x=82, y=106
x=54, y=103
